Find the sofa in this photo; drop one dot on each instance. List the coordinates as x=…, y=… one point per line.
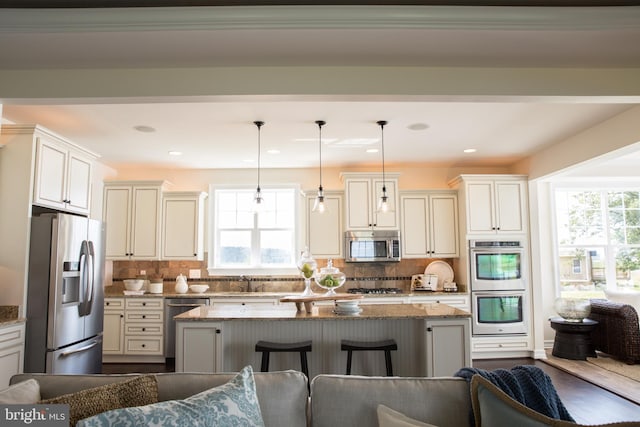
x=283, y=400
x=337, y=400
x=618, y=331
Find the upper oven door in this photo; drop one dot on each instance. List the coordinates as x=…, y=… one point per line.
x=497, y=269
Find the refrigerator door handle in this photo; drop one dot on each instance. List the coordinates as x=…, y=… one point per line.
x=91, y=278
x=83, y=263
x=79, y=350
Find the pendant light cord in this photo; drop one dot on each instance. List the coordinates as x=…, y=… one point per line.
x=259, y=125
x=384, y=182
x=320, y=123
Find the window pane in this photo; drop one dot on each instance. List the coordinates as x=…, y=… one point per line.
x=276, y=247
x=235, y=247
x=631, y=200
x=628, y=267
x=582, y=270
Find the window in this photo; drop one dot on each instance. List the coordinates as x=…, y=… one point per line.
x=598, y=240
x=245, y=240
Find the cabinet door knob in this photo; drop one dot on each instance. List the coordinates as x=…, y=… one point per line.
x=144, y=317
x=429, y=329
x=144, y=345
x=218, y=331
x=144, y=329
x=121, y=316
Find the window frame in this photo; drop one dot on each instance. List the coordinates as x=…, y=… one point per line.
x=215, y=270
x=610, y=249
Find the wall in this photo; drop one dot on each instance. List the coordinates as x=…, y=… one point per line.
x=359, y=275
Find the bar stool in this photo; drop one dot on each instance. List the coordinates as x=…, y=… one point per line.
x=266, y=347
x=384, y=345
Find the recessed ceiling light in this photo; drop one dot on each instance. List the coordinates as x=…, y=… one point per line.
x=273, y=151
x=372, y=150
x=145, y=129
x=470, y=150
x=418, y=126
x=175, y=153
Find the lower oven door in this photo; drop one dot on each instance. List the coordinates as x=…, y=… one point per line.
x=499, y=313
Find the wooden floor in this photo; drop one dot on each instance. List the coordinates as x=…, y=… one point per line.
x=587, y=403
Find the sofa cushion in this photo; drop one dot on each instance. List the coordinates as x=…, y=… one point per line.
x=494, y=408
x=338, y=400
x=387, y=417
x=137, y=391
x=24, y=392
x=234, y=403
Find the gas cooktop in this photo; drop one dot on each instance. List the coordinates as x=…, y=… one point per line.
x=374, y=291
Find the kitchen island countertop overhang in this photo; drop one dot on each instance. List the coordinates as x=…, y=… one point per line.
x=289, y=312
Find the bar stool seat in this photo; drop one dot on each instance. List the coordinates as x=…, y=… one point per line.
x=267, y=347
x=385, y=345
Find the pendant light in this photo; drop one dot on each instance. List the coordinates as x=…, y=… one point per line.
x=319, y=206
x=383, y=203
x=257, y=199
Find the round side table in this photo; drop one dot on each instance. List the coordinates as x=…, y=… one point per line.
x=573, y=339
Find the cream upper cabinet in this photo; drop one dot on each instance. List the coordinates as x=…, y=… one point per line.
x=63, y=176
x=132, y=214
x=183, y=225
x=494, y=204
x=362, y=193
x=324, y=236
x=429, y=224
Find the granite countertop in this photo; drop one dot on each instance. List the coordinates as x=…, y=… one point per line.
x=9, y=315
x=289, y=312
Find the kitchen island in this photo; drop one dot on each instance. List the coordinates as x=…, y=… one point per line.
x=433, y=339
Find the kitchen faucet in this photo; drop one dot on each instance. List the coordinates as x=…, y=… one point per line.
x=247, y=279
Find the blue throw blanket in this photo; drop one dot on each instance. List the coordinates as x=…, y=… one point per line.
x=527, y=384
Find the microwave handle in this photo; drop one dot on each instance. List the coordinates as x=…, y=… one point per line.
x=389, y=249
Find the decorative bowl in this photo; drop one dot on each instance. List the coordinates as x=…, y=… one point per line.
x=573, y=309
x=133, y=284
x=198, y=288
x=330, y=278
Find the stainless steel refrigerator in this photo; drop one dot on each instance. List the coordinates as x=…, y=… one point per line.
x=65, y=295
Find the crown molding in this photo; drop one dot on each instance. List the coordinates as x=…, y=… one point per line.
x=319, y=17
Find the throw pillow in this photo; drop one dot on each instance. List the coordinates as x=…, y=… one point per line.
x=25, y=392
x=387, y=417
x=140, y=390
x=232, y=404
x=494, y=408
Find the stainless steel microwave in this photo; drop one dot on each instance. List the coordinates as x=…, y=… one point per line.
x=372, y=246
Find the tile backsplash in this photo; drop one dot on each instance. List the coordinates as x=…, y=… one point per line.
x=359, y=275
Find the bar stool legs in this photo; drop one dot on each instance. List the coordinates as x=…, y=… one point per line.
x=266, y=347
x=386, y=345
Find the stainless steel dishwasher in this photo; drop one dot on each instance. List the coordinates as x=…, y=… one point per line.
x=173, y=307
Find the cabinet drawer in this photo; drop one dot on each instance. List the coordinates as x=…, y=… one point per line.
x=11, y=336
x=144, y=304
x=113, y=303
x=143, y=316
x=143, y=345
x=497, y=346
x=152, y=329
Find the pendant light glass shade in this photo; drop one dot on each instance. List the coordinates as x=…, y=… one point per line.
x=383, y=202
x=319, y=205
x=258, y=201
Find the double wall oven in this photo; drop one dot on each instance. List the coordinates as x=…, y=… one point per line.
x=498, y=287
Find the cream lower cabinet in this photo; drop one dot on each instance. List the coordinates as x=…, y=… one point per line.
x=199, y=347
x=144, y=327
x=132, y=211
x=113, y=335
x=429, y=224
x=183, y=225
x=11, y=352
x=133, y=327
x=448, y=346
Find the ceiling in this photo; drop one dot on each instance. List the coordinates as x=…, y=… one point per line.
x=220, y=133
